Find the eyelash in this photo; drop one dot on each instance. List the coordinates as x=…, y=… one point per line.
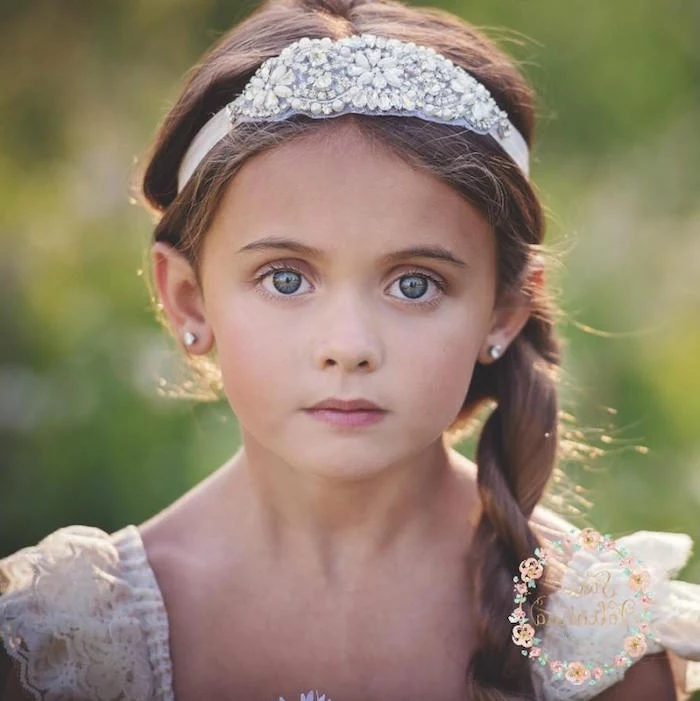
x=286, y=267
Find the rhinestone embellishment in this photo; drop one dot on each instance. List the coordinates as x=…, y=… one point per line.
x=320, y=77
x=363, y=74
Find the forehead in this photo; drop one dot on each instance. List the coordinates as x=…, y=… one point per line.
x=337, y=190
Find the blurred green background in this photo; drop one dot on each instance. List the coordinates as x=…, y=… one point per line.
x=88, y=438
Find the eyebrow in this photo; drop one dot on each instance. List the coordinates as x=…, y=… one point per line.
x=278, y=243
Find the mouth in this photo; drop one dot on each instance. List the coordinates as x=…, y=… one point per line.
x=347, y=412
x=334, y=404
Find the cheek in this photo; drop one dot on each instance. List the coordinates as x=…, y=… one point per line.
x=255, y=359
x=445, y=381
x=439, y=369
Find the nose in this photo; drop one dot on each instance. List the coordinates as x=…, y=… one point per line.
x=348, y=335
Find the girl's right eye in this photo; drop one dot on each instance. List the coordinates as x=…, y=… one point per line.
x=285, y=280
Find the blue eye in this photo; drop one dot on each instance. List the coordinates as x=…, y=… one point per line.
x=413, y=286
x=286, y=281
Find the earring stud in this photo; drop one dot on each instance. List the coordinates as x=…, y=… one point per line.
x=189, y=338
x=495, y=351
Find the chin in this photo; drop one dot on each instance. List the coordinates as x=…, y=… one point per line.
x=343, y=465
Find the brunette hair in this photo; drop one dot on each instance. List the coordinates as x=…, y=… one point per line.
x=517, y=446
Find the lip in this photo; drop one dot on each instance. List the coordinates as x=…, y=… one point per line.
x=355, y=418
x=334, y=404
x=347, y=412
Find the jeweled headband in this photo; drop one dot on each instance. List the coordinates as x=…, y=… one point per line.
x=362, y=74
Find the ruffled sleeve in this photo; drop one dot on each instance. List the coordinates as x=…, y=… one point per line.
x=82, y=617
x=590, y=624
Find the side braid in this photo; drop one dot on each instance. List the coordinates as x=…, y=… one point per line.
x=515, y=458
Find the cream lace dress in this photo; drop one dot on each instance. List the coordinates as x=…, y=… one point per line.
x=82, y=617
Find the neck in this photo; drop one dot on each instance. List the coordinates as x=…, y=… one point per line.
x=337, y=528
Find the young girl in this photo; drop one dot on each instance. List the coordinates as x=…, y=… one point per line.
x=348, y=235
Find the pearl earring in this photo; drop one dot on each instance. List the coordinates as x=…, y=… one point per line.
x=495, y=351
x=189, y=338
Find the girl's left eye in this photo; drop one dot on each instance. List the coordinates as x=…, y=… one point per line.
x=415, y=283
x=287, y=280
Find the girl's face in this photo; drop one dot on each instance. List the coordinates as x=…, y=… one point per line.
x=309, y=293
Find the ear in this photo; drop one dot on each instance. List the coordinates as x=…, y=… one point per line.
x=180, y=296
x=512, y=312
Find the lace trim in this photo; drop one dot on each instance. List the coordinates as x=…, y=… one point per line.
x=152, y=607
x=82, y=614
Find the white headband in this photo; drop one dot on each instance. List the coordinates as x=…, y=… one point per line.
x=361, y=74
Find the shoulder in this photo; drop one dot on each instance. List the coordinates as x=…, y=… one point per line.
x=78, y=611
x=71, y=570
